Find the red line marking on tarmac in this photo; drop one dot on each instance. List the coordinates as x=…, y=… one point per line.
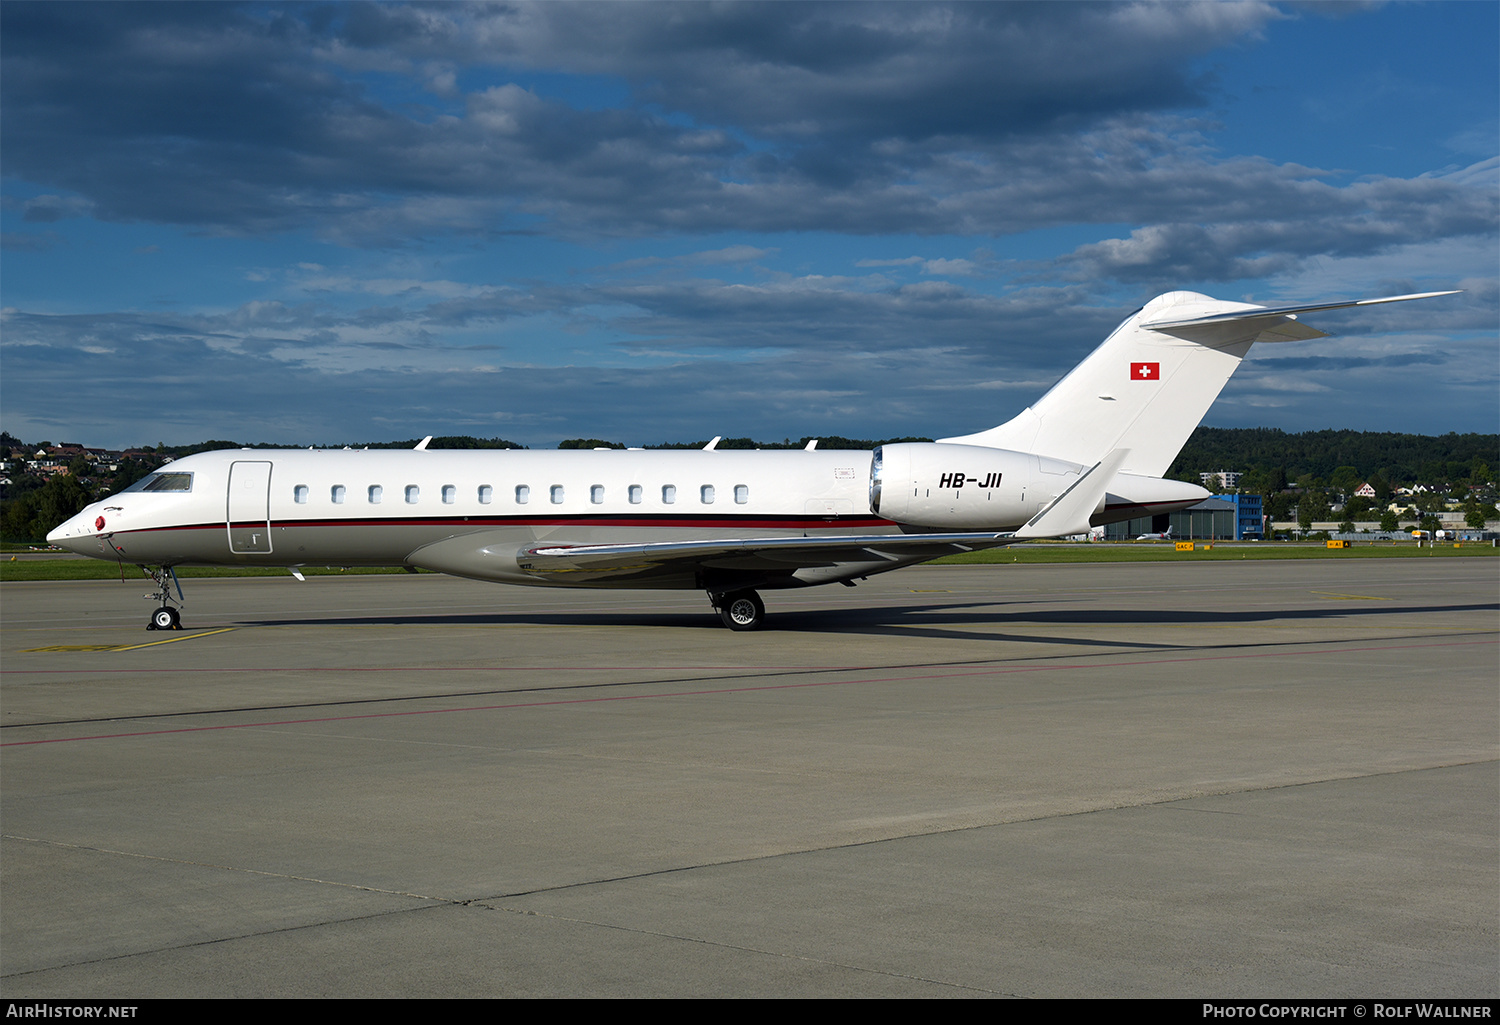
x=989, y=670
x=437, y=669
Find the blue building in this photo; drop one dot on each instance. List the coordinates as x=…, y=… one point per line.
x=1220, y=518
x=1249, y=520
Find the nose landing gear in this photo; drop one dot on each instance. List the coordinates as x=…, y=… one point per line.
x=167, y=617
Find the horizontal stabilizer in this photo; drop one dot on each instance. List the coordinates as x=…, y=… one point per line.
x=1270, y=312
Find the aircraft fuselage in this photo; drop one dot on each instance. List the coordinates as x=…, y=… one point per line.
x=392, y=507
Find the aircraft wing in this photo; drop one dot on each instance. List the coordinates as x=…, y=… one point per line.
x=1068, y=513
x=749, y=561
x=773, y=556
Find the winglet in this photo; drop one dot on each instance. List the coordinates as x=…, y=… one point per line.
x=421, y=446
x=1069, y=512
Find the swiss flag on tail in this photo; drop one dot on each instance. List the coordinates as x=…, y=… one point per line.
x=1145, y=371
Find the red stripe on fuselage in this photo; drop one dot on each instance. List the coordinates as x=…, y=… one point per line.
x=601, y=520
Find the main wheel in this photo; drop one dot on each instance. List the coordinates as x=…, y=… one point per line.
x=164, y=618
x=742, y=610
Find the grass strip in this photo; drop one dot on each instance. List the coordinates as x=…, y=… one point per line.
x=1029, y=554
x=1220, y=552
x=97, y=569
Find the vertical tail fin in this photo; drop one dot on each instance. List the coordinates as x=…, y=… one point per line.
x=1147, y=387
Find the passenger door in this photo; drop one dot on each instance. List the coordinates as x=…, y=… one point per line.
x=249, y=512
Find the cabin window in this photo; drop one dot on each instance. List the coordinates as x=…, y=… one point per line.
x=486, y=494
x=412, y=494
x=449, y=494
x=523, y=494
x=374, y=494
x=557, y=494
x=706, y=494
x=668, y=494
x=299, y=494
x=741, y=494
x=337, y=494
x=596, y=494
x=635, y=494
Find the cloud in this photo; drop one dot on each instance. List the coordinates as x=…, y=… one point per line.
x=722, y=156
x=848, y=72
x=941, y=266
x=729, y=255
x=29, y=241
x=905, y=261
x=970, y=119
x=1275, y=222
x=763, y=358
x=46, y=209
x=863, y=118
x=690, y=357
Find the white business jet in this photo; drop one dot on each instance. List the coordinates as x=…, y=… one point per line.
x=1089, y=452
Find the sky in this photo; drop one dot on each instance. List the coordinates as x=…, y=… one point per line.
x=337, y=223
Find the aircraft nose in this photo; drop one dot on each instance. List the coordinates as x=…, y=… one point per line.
x=73, y=533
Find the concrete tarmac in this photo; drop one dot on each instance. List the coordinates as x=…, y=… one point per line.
x=1267, y=779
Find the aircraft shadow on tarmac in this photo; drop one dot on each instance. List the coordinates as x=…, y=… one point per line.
x=917, y=619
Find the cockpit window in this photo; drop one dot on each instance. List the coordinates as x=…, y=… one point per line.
x=163, y=482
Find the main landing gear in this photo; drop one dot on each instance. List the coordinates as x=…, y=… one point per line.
x=167, y=617
x=740, y=610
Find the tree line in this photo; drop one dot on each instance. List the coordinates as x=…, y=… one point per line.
x=1340, y=459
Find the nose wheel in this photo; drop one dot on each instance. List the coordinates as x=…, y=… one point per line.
x=740, y=610
x=167, y=617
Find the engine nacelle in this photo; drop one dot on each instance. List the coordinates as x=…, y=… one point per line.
x=964, y=487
